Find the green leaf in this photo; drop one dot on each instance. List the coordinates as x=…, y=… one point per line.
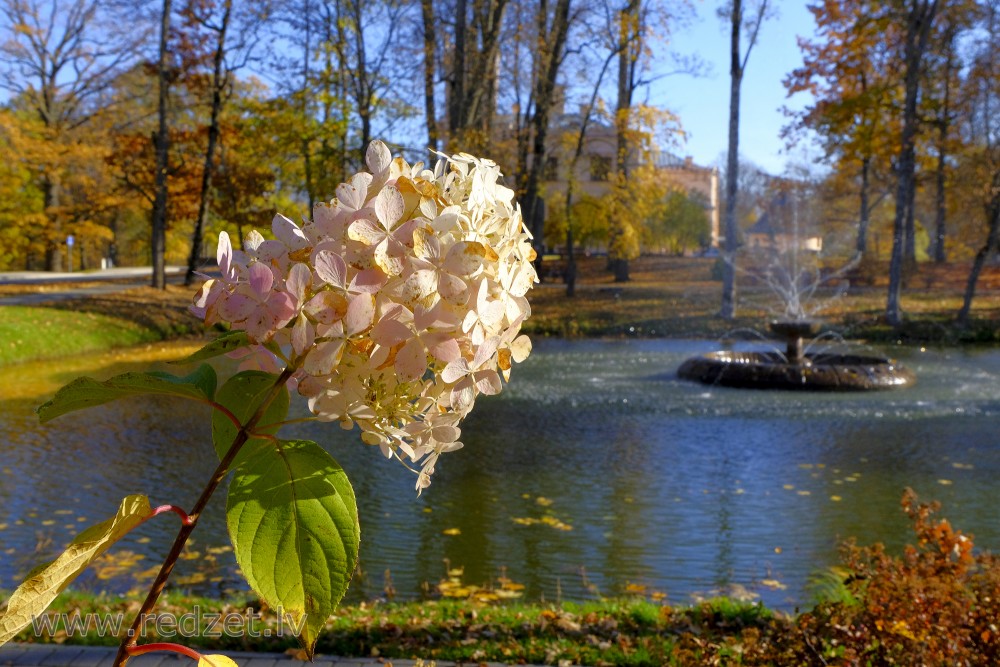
x=85, y=392
x=225, y=343
x=46, y=582
x=242, y=394
x=293, y=521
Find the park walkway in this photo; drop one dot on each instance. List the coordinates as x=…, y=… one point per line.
x=54, y=655
x=105, y=281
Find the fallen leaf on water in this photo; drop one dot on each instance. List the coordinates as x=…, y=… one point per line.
x=773, y=584
x=452, y=531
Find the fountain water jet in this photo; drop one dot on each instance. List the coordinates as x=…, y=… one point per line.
x=788, y=264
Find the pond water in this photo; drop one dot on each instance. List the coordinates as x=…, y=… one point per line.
x=646, y=480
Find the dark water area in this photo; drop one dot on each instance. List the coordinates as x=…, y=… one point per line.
x=595, y=470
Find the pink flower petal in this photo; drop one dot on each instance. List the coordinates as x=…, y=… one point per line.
x=331, y=268
x=261, y=278
x=351, y=198
x=389, y=206
x=411, y=360
x=378, y=158
x=223, y=255
x=327, y=307
x=298, y=281
x=366, y=231
x=281, y=305
x=324, y=357
x=236, y=307
x=289, y=233
x=390, y=332
x=368, y=281
x=488, y=382
x=303, y=335
x=455, y=371
x=442, y=346
x=259, y=325
x=360, y=313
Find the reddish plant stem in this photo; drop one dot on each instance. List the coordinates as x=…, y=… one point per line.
x=163, y=509
x=188, y=527
x=163, y=646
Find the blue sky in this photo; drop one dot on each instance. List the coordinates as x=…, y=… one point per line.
x=703, y=103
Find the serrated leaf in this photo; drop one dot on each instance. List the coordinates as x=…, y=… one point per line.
x=224, y=344
x=85, y=392
x=44, y=583
x=216, y=661
x=242, y=394
x=293, y=520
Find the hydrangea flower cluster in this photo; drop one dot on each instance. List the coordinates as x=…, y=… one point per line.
x=397, y=304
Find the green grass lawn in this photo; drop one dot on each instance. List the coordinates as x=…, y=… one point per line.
x=28, y=333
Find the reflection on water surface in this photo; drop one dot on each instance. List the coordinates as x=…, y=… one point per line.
x=595, y=469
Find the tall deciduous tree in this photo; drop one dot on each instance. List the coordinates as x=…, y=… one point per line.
x=471, y=72
x=233, y=32
x=917, y=18
x=853, y=85
x=161, y=143
x=982, y=131
x=58, y=59
x=750, y=21
x=550, y=51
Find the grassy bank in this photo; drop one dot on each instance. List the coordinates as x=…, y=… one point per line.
x=667, y=297
x=679, y=298
x=29, y=333
x=935, y=603
x=94, y=324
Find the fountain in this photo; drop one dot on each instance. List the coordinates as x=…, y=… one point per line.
x=796, y=368
x=789, y=266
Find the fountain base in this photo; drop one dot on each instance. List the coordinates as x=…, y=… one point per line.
x=814, y=372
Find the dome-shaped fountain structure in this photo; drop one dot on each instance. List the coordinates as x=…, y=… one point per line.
x=796, y=369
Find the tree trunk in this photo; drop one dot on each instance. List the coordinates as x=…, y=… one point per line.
x=944, y=123
x=728, y=309
x=54, y=244
x=161, y=144
x=940, y=208
x=306, y=88
x=864, y=214
x=628, y=47
x=991, y=246
x=430, y=42
x=552, y=42
x=919, y=20
x=218, y=83
x=456, y=100
x=571, y=177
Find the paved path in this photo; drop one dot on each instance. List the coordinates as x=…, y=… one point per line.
x=53, y=655
x=120, y=273
x=123, y=279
